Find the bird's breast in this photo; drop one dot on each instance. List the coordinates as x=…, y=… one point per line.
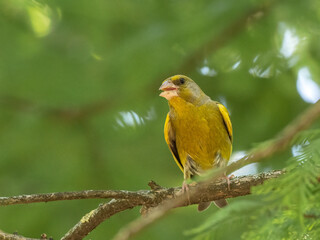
x=199, y=131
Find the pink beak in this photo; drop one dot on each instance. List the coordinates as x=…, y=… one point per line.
x=169, y=90
x=167, y=86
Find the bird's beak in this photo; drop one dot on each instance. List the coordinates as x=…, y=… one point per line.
x=167, y=86
x=169, y=90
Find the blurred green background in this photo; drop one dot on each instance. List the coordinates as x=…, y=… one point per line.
x=79, y=104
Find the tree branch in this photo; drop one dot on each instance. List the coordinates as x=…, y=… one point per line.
x=282, y=141
x=212, y=191
x=149, y=199
x=140, y=197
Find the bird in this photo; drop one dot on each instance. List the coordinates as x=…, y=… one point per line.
x=197, y=130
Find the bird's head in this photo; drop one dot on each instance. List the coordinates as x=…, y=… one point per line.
x=183, y=87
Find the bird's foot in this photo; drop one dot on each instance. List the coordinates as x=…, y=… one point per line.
x=185, y=190
x=228, y=180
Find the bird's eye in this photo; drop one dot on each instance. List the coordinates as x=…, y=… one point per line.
x=182, y=80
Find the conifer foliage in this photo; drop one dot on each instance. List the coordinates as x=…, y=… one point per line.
x=284, y=208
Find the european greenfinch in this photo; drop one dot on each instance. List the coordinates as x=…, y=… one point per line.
x=197, y=130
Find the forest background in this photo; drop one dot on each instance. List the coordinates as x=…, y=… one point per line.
x=79, y=105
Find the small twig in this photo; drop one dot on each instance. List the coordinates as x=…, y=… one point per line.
x=302, y=122
x=91, y=220
x=154, y=186
x=7, y=236
x=313, y=216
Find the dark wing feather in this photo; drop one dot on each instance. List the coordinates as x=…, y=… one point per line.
x=226, y=119
x=170, y=136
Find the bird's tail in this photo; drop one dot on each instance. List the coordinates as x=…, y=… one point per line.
x=219, y=203
x=203, y=206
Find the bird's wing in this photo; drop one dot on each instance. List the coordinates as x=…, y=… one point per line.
x=170, y=137
x=226, y=119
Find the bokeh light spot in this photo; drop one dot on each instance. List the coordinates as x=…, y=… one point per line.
x=307, y=88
